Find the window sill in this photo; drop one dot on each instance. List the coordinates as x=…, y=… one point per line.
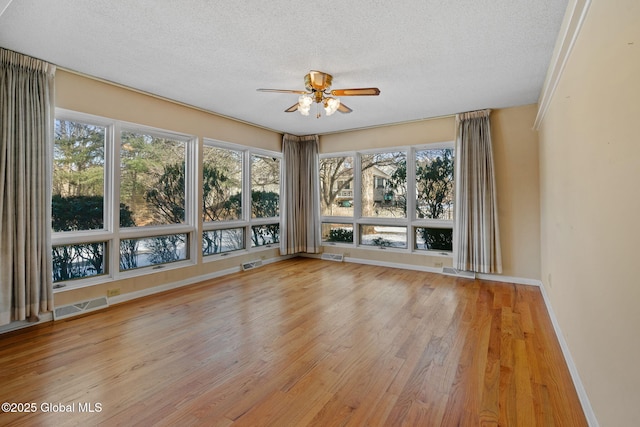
x=441, y=254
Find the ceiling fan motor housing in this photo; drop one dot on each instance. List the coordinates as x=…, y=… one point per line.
x=318, y=81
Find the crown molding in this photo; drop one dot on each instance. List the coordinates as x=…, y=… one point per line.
x=571, y=25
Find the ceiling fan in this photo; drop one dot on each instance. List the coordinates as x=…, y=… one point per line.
x=318, y=84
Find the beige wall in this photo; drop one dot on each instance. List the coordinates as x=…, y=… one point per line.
x=515, y=153
x=86, y=95
x=590, y=200
x=414, y=133
x=515, y=147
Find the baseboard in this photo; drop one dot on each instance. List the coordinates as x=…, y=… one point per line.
x=490, y=277
x=508, y=279
x=394, y=265
x=14, y=326
x=573, y=370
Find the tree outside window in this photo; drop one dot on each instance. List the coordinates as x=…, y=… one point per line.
x=151, y=188
x=384, y=187
x=384, y=220
x=336, y=189
x=78, y=197
x=152, y=178
x=434, y=197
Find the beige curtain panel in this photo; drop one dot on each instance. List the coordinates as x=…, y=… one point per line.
x=300, y=225
x=26, y=129
x=476, y=213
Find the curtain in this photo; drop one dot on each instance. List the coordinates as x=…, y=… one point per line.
x=300, y=230
x=476, y=214
x=26, y=129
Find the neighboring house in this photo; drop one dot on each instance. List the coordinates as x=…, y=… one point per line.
x=375, y=183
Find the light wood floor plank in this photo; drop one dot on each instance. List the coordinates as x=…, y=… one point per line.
x=303, y=342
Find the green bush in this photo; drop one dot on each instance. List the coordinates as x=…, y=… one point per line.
x=440, y=239
x=340, y=235
x=382, y=242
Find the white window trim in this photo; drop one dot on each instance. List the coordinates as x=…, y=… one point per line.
x=111, y=233
x=410, y=221
x=246, y=221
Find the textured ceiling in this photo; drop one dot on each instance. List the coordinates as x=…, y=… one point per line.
x=428, y=57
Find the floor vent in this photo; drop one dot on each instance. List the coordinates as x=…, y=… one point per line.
x=79, y=308
x=460, y=273
x=333, y=257
x=251, y=264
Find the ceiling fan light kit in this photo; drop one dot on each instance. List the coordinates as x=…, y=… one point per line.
x=304, y=104
x=331, y=105
x=317, y=84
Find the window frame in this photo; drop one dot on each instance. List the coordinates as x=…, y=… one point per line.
x=411, y=222
x=429, y=222
x=246, y=222
x=112, y=233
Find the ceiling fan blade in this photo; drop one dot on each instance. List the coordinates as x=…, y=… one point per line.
x=374, y=91
x=344, y=109
x=299, y=92
x=291, y=109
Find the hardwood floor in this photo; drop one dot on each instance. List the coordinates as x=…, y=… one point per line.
x=296, y=343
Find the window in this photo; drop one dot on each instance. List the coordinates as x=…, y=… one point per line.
x=265, y=186
x=78, y=260
x=222, y=241
x=434, y=239
x=152, y=179
x=336, y=190
x=222, y=184
x=384, y=186
x=78, y=199
x=400, y=199
x=334, y=233
x=434, y=199
x=78, y=176
x=434, y=183
x=383, y=236
x=120, y=197
x=344, y=185
x=124, y=199
x=146, y=251
x=235, y=177
x=263, y=235
x=153, y=188
x=265, y=200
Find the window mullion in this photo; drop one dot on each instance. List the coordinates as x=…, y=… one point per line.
x=357, y=196
x=114, y=199
x=246, y=186
x=192, y=209
x=246, y=197
x=411, y=197
x=357, y=186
